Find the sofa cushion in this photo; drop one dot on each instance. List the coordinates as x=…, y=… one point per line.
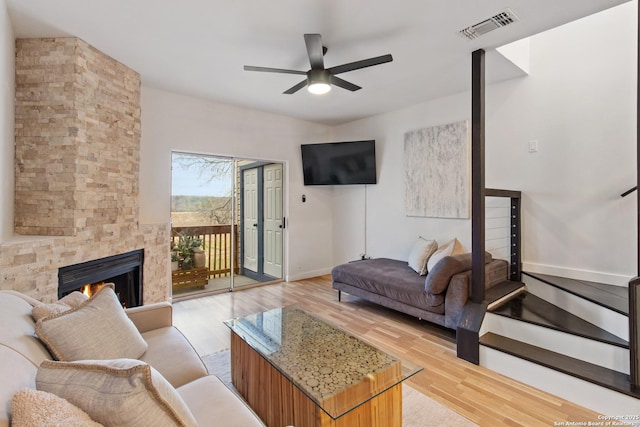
x=228, y=406
x=439, y=276
x=173, y=356
x=122, y=392
x=97, y=329
x=20, y=350
x=31, y=408
x=420, y=253
x=16, y=328
x=65, y=303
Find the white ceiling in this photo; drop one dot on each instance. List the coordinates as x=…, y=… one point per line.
x=199, y=47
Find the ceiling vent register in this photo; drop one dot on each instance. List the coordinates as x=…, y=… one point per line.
x=499, y=20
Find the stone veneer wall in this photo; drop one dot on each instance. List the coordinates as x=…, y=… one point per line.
x=77, y=166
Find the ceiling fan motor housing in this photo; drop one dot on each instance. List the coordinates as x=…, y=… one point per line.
x=319, y=76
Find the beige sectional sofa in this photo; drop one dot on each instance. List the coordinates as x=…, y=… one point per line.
x=168, y=351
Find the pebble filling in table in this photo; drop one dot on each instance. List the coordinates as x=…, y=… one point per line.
x=323, y=359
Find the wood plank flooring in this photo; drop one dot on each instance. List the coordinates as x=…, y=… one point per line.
x=481, y=395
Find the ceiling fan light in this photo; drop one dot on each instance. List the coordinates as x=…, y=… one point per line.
x=318, y=81
x=319, y=88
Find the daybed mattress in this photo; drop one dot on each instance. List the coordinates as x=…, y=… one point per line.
x=391, y=278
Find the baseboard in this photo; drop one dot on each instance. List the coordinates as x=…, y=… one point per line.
x=301, y=275
x=577, y=274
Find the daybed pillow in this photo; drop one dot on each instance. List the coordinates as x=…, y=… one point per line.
x=421, y=250
x=452, y=247
x=440, y=275
x=121, y=392
x=34, y=408
x=96, y=329
x=65, y=303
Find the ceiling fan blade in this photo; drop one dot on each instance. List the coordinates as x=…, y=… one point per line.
x=360, y=64
x=315, y=50
x=272, y=70
x=295, y=88
x=344, y=84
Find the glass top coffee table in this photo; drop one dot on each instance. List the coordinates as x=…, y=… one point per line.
x=296, y=369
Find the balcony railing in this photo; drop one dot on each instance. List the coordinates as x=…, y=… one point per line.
x=217, y=245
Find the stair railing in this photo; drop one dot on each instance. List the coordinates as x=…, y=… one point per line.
x=634, y=331
x=629, y=191
x=515, y=252
x=634, y=314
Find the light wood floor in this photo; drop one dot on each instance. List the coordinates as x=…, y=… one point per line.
x=481, y=395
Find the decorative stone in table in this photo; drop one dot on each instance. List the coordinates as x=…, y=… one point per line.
x=334, y=369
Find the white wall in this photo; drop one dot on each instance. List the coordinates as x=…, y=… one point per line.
x=180, y=123
x=579, y=104
x=7, y=122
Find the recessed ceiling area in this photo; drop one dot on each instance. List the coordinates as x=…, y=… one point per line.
x=199, y=47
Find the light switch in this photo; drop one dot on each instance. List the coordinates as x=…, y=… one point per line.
x=533, y=146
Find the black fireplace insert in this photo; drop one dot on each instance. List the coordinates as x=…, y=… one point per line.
x=124, y=270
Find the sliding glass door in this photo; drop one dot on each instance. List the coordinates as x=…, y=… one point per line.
x=227, y=223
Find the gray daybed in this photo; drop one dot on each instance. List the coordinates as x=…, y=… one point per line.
x=438, y=297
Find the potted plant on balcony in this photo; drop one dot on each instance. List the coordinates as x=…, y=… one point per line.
x=175, y=260
x=186, y=245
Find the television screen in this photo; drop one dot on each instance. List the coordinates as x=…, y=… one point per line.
x=339, y=163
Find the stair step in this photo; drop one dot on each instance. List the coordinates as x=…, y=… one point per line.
x=529, y=308
x=615, y=298
x=604, y=377
x=502, y=290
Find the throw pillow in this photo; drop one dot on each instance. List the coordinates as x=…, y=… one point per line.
x=31, y=408
x=452, y=247
x=96, y=329
x=421, y=250
x=440, y=275
x=120, y=392
x=65, y=303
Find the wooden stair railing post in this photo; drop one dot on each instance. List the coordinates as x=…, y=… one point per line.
x=477, y=175
x=467, y=332
x=634, y=297
x=634, y=331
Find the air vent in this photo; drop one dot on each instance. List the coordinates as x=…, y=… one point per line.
x=500, y=20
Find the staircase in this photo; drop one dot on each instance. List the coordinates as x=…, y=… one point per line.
x=567, y=337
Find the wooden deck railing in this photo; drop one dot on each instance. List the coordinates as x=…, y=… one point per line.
x=217, y=244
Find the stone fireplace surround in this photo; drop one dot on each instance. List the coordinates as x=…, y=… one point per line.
x=77, y=167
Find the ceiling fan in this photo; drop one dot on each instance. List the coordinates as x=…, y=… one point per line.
x=320, y=79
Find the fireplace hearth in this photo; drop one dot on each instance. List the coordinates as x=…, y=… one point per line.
x=124, y=270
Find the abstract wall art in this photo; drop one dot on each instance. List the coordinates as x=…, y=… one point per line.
x=436, y=171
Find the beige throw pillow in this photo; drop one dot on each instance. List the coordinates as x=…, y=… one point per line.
x=33, y=408
x=96, y=329
x=65, y=303
x=121, y=392
x=421, y=250
x=452, y=247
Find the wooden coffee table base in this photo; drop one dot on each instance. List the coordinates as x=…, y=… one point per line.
x=280, y=403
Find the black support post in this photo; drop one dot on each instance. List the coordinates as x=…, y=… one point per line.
x=634, y=285
x=477, y=176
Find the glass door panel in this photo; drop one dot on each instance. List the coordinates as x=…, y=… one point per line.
x=202, y=201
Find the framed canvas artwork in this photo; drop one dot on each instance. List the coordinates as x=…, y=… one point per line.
x=436, y=171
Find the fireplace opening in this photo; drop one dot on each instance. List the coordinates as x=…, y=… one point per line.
x=123, y=270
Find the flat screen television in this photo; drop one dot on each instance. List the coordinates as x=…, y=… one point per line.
x=339, y=163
